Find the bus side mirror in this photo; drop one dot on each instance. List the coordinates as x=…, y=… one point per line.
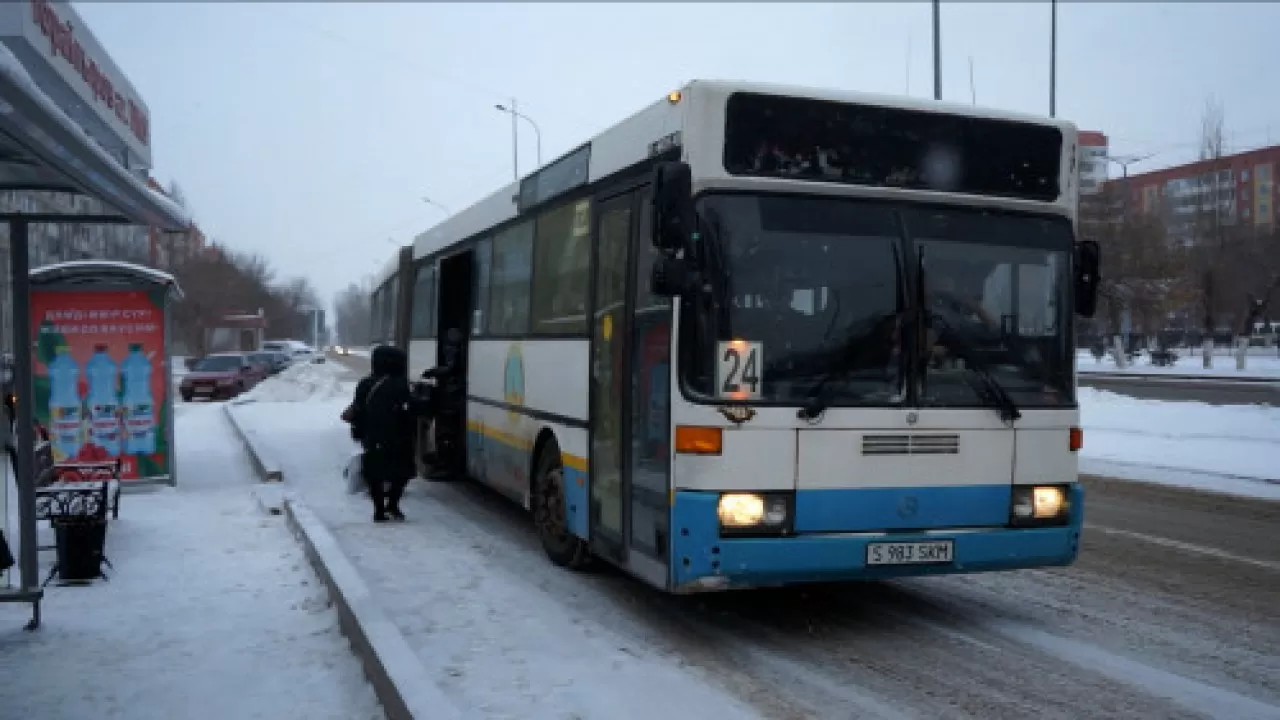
x=669, y=277
x=673, y=218
x=1088, y=260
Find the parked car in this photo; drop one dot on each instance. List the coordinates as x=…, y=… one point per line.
x=271, y=362
x=220, y=377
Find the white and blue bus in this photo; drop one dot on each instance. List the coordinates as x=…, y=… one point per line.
x=756, y=335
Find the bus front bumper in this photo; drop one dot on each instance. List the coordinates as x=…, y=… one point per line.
x=702, y=560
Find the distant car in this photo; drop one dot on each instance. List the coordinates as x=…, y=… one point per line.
x=297, y=350
x=271, y=362
x=341, y=350
x=220, y=377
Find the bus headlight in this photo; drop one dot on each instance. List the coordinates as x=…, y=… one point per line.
x=754, y=513
x=1040, y=505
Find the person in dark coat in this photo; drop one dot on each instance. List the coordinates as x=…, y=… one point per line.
x=383, y=417
x=447, y=407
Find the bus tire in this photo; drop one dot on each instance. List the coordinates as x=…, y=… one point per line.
x=549, y=516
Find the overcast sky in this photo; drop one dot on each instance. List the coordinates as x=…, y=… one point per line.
x=310, y=132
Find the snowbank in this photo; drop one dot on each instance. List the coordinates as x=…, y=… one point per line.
x=211, y=611
x=300, y=383
x=1230, y=448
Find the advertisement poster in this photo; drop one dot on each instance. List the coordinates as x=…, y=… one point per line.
x=100, y=379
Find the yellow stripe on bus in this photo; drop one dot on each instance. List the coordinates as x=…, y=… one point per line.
x=571, y=461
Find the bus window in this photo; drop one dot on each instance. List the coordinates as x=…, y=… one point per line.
x=509, y=285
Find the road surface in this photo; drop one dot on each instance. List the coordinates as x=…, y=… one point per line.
x=1209, y=390
x=1172, y=611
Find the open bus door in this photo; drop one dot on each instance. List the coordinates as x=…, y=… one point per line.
x=630, y=477
x=455, y=304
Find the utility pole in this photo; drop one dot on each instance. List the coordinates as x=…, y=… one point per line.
x=515, y=143
x=937, y=49
x=973, y=92
x=1053, y=58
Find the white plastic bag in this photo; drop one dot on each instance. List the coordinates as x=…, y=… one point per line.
x=353, y=474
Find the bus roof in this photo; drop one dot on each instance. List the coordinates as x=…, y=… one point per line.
x=389, y=269
x=631, y=141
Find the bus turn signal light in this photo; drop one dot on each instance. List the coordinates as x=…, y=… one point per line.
x=1077, y=439
x=693, y=440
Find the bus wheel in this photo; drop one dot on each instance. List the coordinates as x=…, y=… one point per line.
x=564, y=549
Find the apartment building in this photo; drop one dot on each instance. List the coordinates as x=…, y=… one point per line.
x=1239, y=189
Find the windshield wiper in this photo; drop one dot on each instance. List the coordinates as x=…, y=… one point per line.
x=979, y=374
x=818, y=401
x=986, y=385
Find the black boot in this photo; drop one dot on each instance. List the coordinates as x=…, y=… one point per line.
x=379, y=516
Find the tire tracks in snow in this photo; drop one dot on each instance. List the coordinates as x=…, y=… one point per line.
x=989, y=647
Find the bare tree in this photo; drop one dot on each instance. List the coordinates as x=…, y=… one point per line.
x=1254, y=273
x=220, y=282
x=353, y=315
x=1143, y=270
x=1212, y=226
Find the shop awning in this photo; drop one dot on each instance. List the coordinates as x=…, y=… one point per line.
x=42, y=149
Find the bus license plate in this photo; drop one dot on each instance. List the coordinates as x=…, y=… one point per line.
x=910, y=553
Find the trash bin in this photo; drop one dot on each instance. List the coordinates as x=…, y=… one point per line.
x=81, y=546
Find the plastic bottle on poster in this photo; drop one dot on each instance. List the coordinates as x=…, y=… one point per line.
x=139, y=406
x=104, y=401
x=65, y=415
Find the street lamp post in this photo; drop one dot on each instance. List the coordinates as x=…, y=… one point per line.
x=436, y=205
x=1053, y=58
x=537, y=134
x=315, y=324
x=937, y=49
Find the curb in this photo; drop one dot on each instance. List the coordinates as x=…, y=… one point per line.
x=1206, y=379
x=402, y=684
x=268, y=469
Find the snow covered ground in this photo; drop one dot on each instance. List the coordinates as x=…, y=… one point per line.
x=1261, y=363
x=500, y=635
x=505, y=634
x=302, y=382
x=212, y=611
x=1231, y=448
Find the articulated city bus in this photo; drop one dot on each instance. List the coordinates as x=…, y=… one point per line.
x=755, y=335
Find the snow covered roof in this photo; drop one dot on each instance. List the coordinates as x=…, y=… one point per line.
x=89, y=270
x=42, y=148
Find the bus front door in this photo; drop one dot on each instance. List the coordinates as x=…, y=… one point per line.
x=630, y=394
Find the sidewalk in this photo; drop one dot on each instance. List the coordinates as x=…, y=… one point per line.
x=498, y=628
x=211, y=612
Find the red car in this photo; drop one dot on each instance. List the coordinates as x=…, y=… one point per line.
x=220, y=377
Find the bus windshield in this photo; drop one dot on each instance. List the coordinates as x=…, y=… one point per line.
x=829, y=287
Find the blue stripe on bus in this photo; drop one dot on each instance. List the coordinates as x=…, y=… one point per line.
x=909, y=508
x=507, y=466
x=699, y=553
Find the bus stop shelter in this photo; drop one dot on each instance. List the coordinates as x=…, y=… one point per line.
x=42, y=149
